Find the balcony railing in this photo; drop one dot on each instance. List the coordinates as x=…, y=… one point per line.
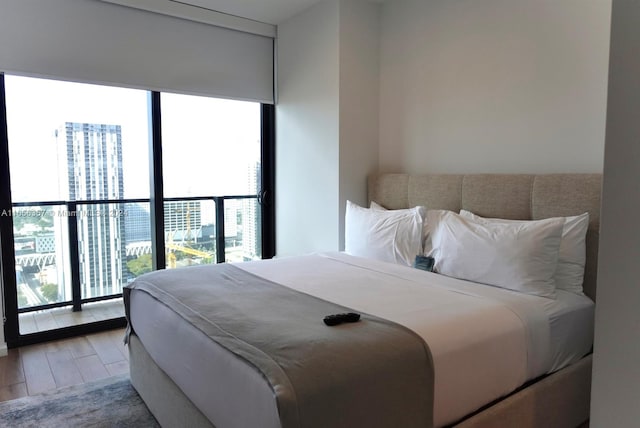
x=76, y=252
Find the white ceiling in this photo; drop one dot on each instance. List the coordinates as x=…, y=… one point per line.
x=269, y=11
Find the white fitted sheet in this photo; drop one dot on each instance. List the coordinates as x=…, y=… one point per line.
x=571, y=319
x=485, y=341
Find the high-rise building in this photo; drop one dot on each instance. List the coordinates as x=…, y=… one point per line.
x=232, y=209
x=90, y=158
x=182, y=220
x=137, y=223
x=251, y=231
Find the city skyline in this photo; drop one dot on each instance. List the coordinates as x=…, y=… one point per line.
x=207, y=142
x=104, y=248
x=71, y=141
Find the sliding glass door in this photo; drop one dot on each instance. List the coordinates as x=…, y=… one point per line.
x=211, y=164
x=78, y=159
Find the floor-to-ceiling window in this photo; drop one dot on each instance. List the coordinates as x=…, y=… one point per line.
x=78, y=199
x=196, y=131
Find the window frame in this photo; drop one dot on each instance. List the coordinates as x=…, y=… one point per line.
x=265, y=199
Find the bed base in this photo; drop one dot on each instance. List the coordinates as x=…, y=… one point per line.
x=162, y=396
x=560, y=400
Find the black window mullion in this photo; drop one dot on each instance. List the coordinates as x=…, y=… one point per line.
x=7, y=253
x=220, y=250
x=74, y=256
x=156, y=182
x=266, y=192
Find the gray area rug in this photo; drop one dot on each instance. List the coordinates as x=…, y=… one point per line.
x=111, y=402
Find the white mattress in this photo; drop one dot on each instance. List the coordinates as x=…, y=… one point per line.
x=485, y=341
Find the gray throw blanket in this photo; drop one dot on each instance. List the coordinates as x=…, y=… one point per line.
x=372, y=373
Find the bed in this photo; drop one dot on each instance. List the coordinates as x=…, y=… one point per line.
x=229, y=384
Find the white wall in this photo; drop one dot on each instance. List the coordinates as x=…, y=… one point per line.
x=359, y=98
x=307, y=131
x=616, y=369
x=463, y=86
x=493, y=85
x=326, y=112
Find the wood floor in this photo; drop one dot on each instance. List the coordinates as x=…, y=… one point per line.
x=30, y=370
x=48, y=319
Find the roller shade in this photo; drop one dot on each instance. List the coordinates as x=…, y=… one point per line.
x=97, y=42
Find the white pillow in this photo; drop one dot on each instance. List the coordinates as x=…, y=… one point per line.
x=393, y=236
x=430, y=217
x=572, y=258
x=376, y=206
x=517, y=256
x=431, y=221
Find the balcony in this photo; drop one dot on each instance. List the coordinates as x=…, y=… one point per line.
x=72, y=258
x=50, y=319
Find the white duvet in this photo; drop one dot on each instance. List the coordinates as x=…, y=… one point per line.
x=485, y=341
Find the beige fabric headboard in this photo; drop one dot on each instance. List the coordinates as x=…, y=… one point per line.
x=512, y=196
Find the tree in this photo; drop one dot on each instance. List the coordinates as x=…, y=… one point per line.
x=49, y=292
x=140, y=265
x=45, y=222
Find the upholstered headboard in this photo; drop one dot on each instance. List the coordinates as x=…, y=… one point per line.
x=512, y=196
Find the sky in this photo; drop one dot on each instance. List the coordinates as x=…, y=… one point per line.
x=208, y=143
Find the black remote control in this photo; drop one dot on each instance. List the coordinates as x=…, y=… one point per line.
x=336, y=319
